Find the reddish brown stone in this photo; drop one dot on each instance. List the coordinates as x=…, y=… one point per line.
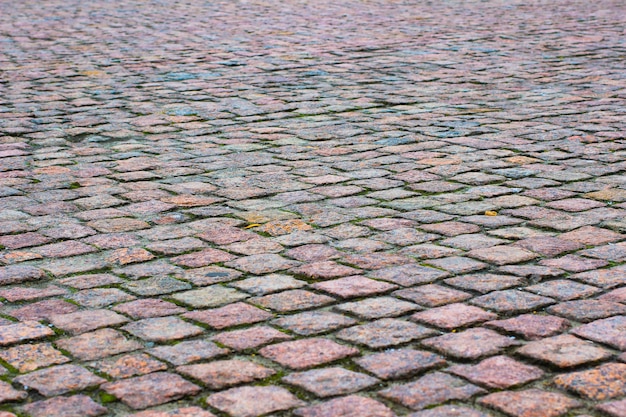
x=43, y=310
x=611, y=331
x=98, y=344
x=251, y=338
x=29, y=357
x=587, y=310
x=64, y=249
x=262, y=264
x=129, y=365
x=573, y=263
x=292, y=300
x=125, y=256
x=531, y=326
x=498, y=372
x=149, y=307
x=121, y=224
x=87, y=320
x=563, y=289
x=502, y=255
x=161, y=329
x=8, y=393
x=384, y=333
x=59, y=380
x=23, y=240
x=453, y=316
x=101, y=297
x=511, y=301
x=434, y=388
x=306, y=353
x=14, y=274
x=590, y=235
x=548, y=246
x=180, y=412
x=449, y=411
x=457, y=264
x=602, y=383
x=450, y=228
x=149, y=390
x=329, y=382
x=470, y=344
x=212, y=296
x=376, y=260
x=324, y=270
x=222, y=374
x=28, y=330
x=202, y=258
x=484, y=283
x=432, y=295
x=26, y=293
x=564, y=351
x=74, y=406
x=90, y=281
x=313, y=322
x=188, y=351
x=399, y=363
x=614, y=408
x=379, y=307
x=268, y=284
x=253, y=401
x=230, y=315
x=355, y=286
x=409, y=274
x=351, y=405
x=313, y=253
x=530, y=403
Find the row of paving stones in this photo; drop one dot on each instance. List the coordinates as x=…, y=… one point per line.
x=312, y=209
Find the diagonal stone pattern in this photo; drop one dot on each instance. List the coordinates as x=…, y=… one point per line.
x=366, y=208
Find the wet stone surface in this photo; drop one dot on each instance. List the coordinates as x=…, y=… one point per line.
x=312, y=208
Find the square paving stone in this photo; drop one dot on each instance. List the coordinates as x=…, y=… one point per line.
x=484, y=283
x=530, y=403
x=511, y=301
x=98, y=344
x=564, y=351
x=101, y=297
x=470, y=344
x=329, y=382
x=42, y=310
x=188, y=351
x=384, y=333
x=375, y=308
x=325, y=270
x=306, y=353
x=453, y=316
x=409, y=274
x=179, y=412
x=28, y=330
x=603, y=278
x=9, y=394
x=128, y=365
x=531, y=326
x=231, y=315
x=432, y=295
x=587, y=310
x=502, y=255
x=87, y=320
x=251, y=338
x=150, y=390
x=74, y=406
x=614, y=408
x=148, y=308
x=431, y=389
x=59, y=380
x=457, y=264
x=29, y=357
x=449, y=411
x=222, y=374
x=213, y=296
x=498, y=372
x=602, y=383
x=611, y=331
x=548, y=246
x=268, y=284
x=591, y=235
x=399, y=363
x=158, y=285
x=292, y=300
x=376, y=260
x=313, y=322
x=262, y=264
x=355, y=286
x=563, y=289
x=253, y=401
x=162, y=329
x=352, y=405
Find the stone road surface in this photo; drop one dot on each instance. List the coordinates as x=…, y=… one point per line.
x=358, y=208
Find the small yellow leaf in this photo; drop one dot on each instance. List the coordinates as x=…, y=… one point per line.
x=250, y=226
x=491, y=213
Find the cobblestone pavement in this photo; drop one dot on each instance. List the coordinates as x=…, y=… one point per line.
x=357, y=208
